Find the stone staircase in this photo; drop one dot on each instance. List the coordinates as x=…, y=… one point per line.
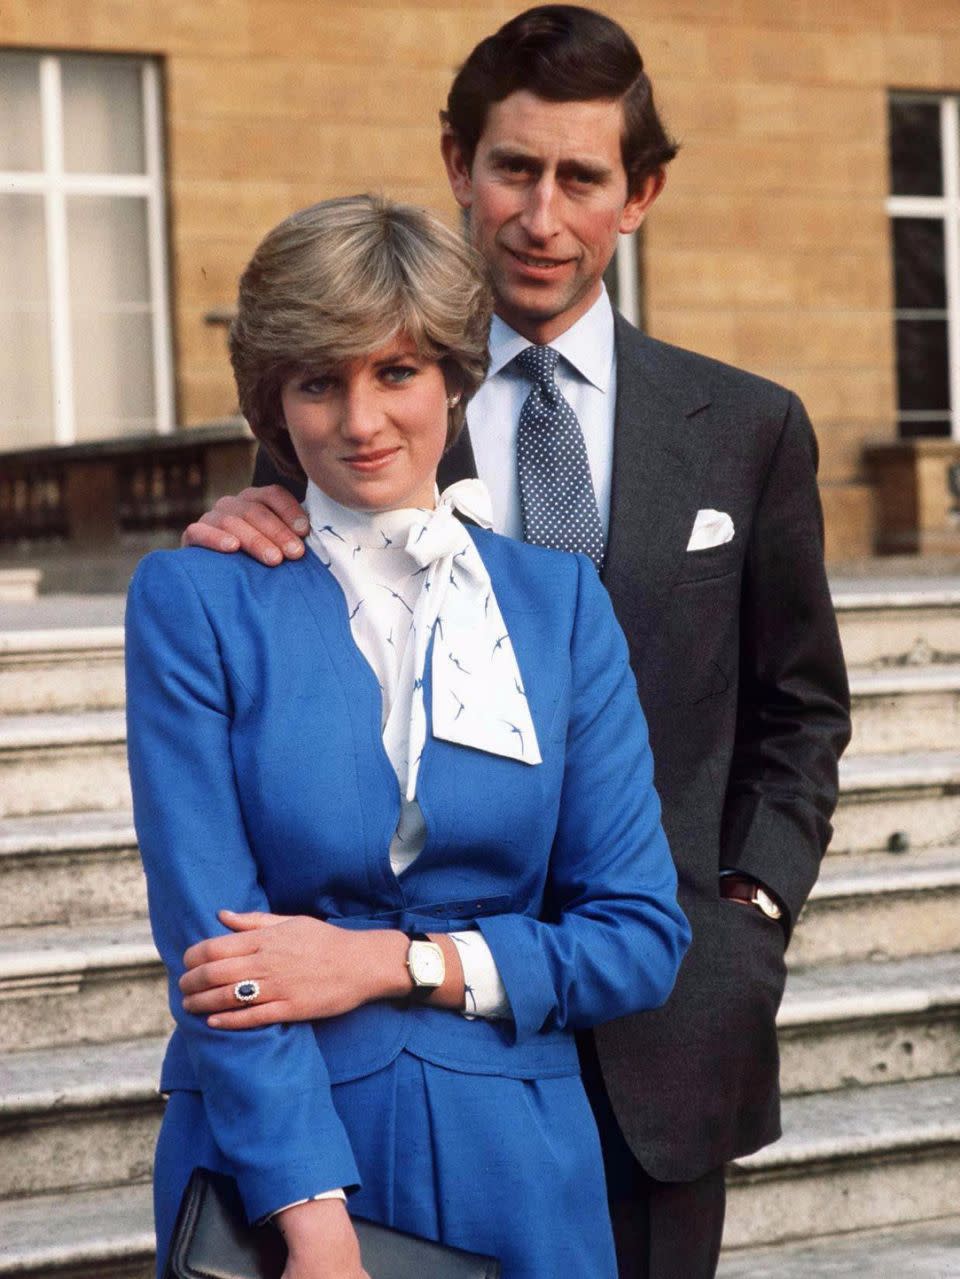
x=866, y=1179
x=83, y=1012
x=865, y=1182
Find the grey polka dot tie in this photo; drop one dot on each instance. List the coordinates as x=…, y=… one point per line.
x=557, y=500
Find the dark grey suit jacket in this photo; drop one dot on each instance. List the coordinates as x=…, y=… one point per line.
x=741, y=676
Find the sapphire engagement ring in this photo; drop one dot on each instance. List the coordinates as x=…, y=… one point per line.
x=245, y=992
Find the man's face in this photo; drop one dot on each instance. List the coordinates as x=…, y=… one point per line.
x=547, y=198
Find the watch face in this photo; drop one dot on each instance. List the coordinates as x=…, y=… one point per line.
x=427, y=967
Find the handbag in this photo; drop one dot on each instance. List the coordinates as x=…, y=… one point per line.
x=212, y=1240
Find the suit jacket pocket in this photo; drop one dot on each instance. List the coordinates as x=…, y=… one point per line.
x=755, y=949
x=715, y=561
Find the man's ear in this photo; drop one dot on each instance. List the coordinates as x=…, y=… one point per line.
x=458, y=170
x=638, y=205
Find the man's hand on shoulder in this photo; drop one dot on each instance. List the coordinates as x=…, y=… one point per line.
x=267, y=523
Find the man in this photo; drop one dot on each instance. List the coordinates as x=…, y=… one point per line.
x=693, y=484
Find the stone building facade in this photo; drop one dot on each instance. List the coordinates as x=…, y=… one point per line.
x=770, y=248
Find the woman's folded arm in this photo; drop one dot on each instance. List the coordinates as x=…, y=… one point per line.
x=266, y=1093
x=613, y=934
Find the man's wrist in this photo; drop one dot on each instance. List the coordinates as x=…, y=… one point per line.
x=736, y=886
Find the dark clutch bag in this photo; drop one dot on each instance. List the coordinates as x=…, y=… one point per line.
x=212, y=1240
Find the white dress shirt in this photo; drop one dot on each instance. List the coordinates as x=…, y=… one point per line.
x=587, y=376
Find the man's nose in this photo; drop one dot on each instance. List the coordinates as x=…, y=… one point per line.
x=539, y=218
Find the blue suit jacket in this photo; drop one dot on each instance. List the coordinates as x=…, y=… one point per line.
x=260, y=783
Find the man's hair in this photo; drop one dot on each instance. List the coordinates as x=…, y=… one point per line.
x=562, y=53
x=340, y=280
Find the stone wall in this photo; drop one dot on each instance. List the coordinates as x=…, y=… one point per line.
x=769, y=247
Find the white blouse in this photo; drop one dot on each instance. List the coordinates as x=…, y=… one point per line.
x=382, y=561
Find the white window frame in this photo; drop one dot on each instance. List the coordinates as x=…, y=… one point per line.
x=55, y=185
x=944, y=208
x=627, y=268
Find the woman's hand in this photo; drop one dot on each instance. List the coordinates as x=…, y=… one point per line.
x=321, y=1240
x=305, y=969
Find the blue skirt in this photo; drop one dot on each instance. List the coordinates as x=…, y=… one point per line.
x=507, y=1167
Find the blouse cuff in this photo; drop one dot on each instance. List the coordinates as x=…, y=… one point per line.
x=484, y=993
x=339, y=1193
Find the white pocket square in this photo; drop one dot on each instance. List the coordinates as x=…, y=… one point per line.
x=710, y=528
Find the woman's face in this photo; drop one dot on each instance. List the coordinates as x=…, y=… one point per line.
x=371, y=432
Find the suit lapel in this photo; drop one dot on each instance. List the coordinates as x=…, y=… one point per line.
x=660, y=450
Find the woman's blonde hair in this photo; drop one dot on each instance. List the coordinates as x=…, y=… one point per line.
x=339, y=280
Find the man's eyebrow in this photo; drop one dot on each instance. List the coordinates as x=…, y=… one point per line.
x=508, y=152
x=567, y=164
x=592, y=168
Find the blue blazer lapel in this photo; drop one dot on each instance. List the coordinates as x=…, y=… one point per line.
x=660, y=451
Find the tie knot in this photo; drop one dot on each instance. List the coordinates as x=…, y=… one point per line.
x=538, y=364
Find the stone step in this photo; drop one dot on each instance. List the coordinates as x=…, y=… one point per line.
x=863, y=1157
x=910, y=800
x=910, y=708
x=78, y=1117
x=19, y=585
x=881, y=904
x=61, y=670
x=67, y=868
x=905, y=622
x=88, y=1234
x=928, y=1250
x=870, y=1022
x=92, y=983
x=53, y=762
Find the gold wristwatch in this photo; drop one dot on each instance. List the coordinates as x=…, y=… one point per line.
x=426, y=964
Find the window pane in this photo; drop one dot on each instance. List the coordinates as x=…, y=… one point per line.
x=919, y=266
x=922, y=365
x=21, y=137
x=26, y=397
x=113, y=375
x=107, y=242
x=915, y=165
x=939, y=427
x=102, y=116
x=23, y=279
x=111, y=318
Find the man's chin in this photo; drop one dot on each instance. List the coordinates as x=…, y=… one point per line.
x=534, y=304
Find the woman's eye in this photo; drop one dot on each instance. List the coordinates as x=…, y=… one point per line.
x=316, y=385
x=399, y=372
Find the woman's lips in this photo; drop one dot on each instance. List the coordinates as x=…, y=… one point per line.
x=366, y=462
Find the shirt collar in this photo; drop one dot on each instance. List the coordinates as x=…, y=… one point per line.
x=365, y=528
x=586, y=345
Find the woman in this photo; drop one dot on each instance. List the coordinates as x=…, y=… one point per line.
x=413, y=762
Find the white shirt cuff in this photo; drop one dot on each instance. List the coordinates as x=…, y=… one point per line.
x=339, y=1193
x=485, y=994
